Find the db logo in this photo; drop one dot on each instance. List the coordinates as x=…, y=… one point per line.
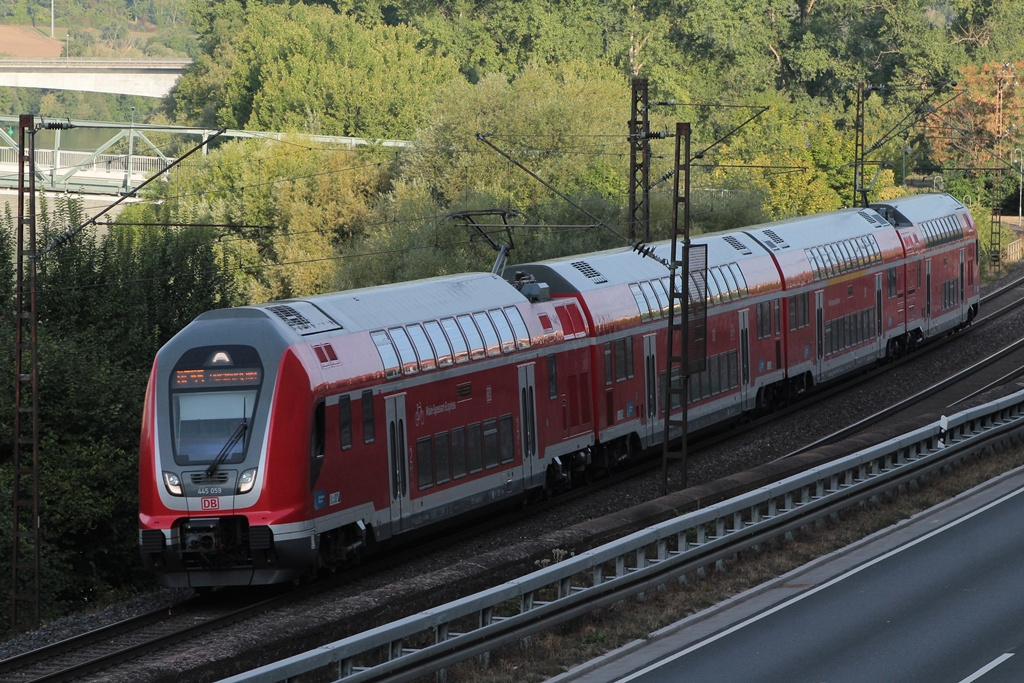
x=211, y=503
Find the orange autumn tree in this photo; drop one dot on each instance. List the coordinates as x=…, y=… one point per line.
x=977, y=132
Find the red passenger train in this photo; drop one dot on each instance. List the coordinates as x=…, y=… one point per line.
x=289, y=436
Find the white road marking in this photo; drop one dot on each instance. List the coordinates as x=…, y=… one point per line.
x=828, y=584
x=988, y=667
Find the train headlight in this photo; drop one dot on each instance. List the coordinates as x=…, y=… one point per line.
x=247, y=480
x=173, y=483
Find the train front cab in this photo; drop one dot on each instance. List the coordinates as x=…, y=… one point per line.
x=205, y=517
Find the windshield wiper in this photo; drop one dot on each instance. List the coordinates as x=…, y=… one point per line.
x=226, y=450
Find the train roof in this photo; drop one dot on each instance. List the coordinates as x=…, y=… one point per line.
x=816, y=230
x=916, y=208
x=587, y=272
x=374, y=308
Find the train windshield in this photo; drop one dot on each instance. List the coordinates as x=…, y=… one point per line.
x=205, y=424
x=214, y=393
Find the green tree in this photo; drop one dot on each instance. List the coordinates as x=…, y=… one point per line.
x=307, y=69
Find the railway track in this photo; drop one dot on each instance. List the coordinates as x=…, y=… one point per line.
x=81, y=657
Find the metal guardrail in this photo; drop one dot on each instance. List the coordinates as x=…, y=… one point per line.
x=442, y=636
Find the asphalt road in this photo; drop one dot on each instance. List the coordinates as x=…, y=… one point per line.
x=936, y=598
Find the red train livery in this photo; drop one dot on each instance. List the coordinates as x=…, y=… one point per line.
x=285, y=437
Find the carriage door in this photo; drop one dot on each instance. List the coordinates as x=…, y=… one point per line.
x=651, y=388
x=879, y=327
x=397, y=460
x=819, y=326
x=528, y=417
x=744, y=355
x=928, y=295
x=962, y=304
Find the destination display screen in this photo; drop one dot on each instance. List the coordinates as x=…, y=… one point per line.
x=205, y=377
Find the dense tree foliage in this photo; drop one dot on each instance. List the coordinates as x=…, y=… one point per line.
x=107, y=302
x=300, y=68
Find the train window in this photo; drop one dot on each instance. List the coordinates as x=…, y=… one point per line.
x=388, y=356
x=425, y=462
x=206, y=422
x=713, y=374
x=840, y=257
x=764, y=319
x=657, y=306
x=623, y=358
x=731, y=284
x=369, y=432
x=641, y=303
x=835, y=263
x=723, y=286
x=853, y=246
x=891, y=282
x=476, y=342
x=865, y=247
x=519, y=327
x=741, y=281
x=714, y=294
x=667, y=286
x=441, y=458
x=662, y=297
x=506, y=439
x=424, y=352
x=733, y=370
x=457, y=339
x=459, y=452
x=812, y=259
x=843, y=262
x=491, y=339
x=855, y=253
x=490, y=443
x=474, y=447
x=840, y=252
x=849, y=259
x=552, y=377
x=441, y=345
x=508, y=340
x=832, y=256
x=345, y=422
x=405, y=350
x=822, y=262
x=608, y=363
x=486, y=327
x=799, y=313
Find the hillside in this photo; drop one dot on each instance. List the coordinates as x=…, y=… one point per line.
x=18, y=41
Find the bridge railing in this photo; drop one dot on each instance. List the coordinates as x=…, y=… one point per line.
x=62, y=160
